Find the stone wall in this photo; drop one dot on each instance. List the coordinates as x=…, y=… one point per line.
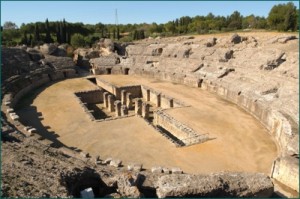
x=181, y=131
x=25, y=85
x=286, y=171
x=108, y=87
x=83, y=104
x=16, y=89
x=238, y=79
x=135, y=90
x=91, y=97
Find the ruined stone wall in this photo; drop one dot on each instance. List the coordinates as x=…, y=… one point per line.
x=286, y=171
x=135, y=90
x=108, y=87
x=91, y=97
x=24, y=85
x=166, y=102
x=83, y=104
x=259, y=74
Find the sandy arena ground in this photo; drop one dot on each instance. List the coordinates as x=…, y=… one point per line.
x=241, y=144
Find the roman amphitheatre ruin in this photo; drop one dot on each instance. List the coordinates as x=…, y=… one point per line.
x=203, y=116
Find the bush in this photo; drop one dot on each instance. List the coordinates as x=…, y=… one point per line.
x=77, y=40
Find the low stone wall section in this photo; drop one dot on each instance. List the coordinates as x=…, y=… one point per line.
x=91, y=96
x=135, y=90
x=181, y=131
x=109, y=87
x=84, y=106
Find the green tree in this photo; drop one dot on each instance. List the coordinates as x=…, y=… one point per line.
x=25, y=39
x=36, y=37
x=249, y=22
x=48, y=38
x=9, y=25
x=235, y=20
x=77, y=40
x=170, y=27
x=283, y=17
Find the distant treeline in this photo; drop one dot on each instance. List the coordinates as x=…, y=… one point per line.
x=282, y=17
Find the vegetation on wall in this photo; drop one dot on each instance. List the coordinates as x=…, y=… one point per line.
x=282, y=17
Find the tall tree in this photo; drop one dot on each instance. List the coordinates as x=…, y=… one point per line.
x=48, y=38
x=64, y=31
x=31, y=42
x=25, y=39
x=58, y=39
x=61, y=33
x=36, y=33
x=283, y=17
x=235, y=20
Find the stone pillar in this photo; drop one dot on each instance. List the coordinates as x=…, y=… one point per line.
x=158, y=98
x=129, y=100
x=171, y=103
x=147, y=95
x=145, y=110
x=111, y=100
x=123, y=97
x=118, y=108
x=138, y=107
x=105, y=99
x=124, y=110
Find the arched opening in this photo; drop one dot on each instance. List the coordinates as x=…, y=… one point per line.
x=108, y=71
x=126, y=71
x=65, y=74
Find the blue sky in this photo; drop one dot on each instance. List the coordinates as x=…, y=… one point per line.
x=92, y=12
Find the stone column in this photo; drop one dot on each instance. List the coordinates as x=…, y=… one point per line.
x=145, y=110
x=124, y=110
x=158, y=98
x=171, y=103
x=111, y=100
x=129, y=100
x=118, y=108
x=105, y=102
x=138, y=107
x=147, y=95
x=123, y=97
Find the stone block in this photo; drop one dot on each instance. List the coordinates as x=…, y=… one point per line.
x=10, y=110
x=7, y=103
x=32, y=130
x=134, y=167
x=85, y=155
x=166, y=170
x=156, y=169
x=14, y=116
x=176, y=170
x=107, y=160
x=115, y=163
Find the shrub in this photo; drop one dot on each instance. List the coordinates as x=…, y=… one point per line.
x=77, y=40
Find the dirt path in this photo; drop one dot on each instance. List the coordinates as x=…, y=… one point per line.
x=241, y=144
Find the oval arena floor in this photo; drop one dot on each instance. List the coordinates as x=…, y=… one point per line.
x=241, y=143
